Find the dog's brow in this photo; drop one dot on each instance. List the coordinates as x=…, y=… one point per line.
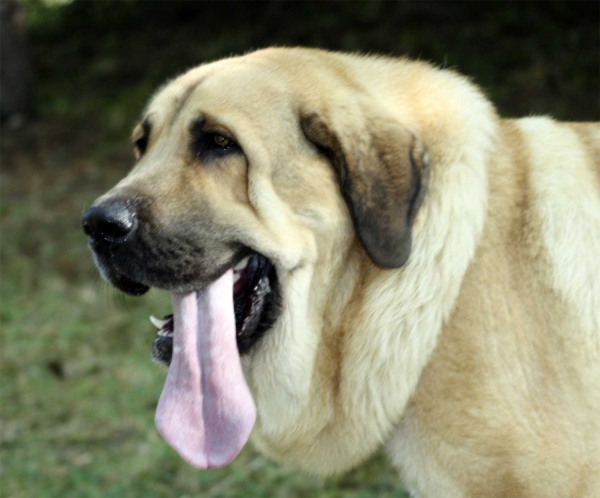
x=184, y=98
x=146, y=126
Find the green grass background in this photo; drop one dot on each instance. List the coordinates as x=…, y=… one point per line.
x=77, y=388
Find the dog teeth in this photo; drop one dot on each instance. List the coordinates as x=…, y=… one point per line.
x=168, y=332
x=158, y=323
x=242, y=264
x=236, y=277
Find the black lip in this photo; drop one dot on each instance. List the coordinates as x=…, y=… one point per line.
x=130, y=287
x=257, y=305
x=135, y=266
x=162, y=350
x=117, y=279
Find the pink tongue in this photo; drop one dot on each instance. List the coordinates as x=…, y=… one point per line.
x=206, y=411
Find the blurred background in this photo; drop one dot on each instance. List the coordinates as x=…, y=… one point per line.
x=77, y=387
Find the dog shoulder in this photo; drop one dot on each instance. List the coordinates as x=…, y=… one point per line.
x=565, y=182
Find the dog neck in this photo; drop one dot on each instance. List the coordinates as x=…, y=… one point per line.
x=320, y=410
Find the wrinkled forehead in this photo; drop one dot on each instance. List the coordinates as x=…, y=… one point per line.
x=225, y=89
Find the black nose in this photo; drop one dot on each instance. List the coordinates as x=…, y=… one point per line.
x=111, y=221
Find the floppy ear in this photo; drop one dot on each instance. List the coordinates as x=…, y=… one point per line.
x=382, y=170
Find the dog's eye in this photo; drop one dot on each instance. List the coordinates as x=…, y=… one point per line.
x=222, y=141
x=206, y=143
x=215, y=144
x=140, y=146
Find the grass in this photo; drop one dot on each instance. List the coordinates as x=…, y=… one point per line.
x=78, y=390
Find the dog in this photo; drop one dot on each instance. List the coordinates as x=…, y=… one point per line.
x=363, y=253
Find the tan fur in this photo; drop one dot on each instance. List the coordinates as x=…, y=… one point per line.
x=477, y=363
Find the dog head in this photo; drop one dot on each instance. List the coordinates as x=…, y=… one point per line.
x=247, y=165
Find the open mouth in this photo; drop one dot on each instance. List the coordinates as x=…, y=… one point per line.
x=255, y=302
x=206, y=411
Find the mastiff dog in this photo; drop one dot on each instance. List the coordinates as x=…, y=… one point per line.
x=363, y=253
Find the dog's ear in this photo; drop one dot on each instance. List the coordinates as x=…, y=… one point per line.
x=382, y=170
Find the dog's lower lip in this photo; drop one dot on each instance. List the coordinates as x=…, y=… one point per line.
x=128, y=285
x=131, y=287
x=123, y=283
x=250, y=292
